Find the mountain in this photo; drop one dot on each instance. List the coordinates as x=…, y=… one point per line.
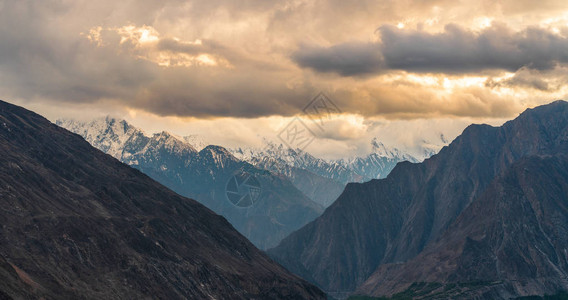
x=79, y=224
x=204, y=175
x=279, y=157
x=393, y=220
x=512, y=241
x=320, y=180
x=382, y=159
x=379, y=163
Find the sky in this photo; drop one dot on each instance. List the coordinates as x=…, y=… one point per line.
x=237, y=72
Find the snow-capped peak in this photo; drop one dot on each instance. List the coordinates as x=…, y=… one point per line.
x=196, y=141
x=381, y=150
x=106, y=133
x=112, y=135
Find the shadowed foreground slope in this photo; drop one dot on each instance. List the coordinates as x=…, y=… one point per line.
x=78, y=223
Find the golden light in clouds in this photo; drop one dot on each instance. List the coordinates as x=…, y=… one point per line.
x=247, y=36
x=142, y=42
x=259, y=62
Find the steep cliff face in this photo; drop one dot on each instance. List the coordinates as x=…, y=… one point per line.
x=512, y=241
x=393, y=219
x=77, y=223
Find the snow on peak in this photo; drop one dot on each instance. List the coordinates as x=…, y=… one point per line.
x=112, y=135
x=415, y=152
x=196, y=141
x=379, y=149
x=106, y=133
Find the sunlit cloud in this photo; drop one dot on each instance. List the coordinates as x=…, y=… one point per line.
x=255, y=64
x=146, y=43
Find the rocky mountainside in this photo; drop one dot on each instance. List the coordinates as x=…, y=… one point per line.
x=392, y=220
x=512, y=241
x=79, y=224
x=203, y=175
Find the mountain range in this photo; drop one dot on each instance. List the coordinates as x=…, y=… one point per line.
x=203, y=175
x=79, y=224
x=318, y=179
x=296, y=189
x=324, y=180
x=375, y=165
x=484, y=218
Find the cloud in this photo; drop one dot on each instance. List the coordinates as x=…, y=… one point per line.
x=346, y=59
x=147, y=43
x=222, y=58
x=131, y=66
x=543, y=81
x=523, y=78
x=456, y=50
x=406, y=100
x=194, y=48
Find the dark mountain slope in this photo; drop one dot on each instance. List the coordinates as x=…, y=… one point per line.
x=77, y=223
x=512, y=240
x=353, y=240
x=393, y=219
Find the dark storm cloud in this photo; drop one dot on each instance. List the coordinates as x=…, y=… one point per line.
x=455, y=50
x=345, y=59
x=458, y=50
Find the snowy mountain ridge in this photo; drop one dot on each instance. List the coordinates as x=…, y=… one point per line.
x=319, y=179
x=278, y=158
x=282, y=207
x=122, y=140
x=377, y=164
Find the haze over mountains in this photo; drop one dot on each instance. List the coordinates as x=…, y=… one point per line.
x=79, y=224
x=486, y=217
x=318, y=179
